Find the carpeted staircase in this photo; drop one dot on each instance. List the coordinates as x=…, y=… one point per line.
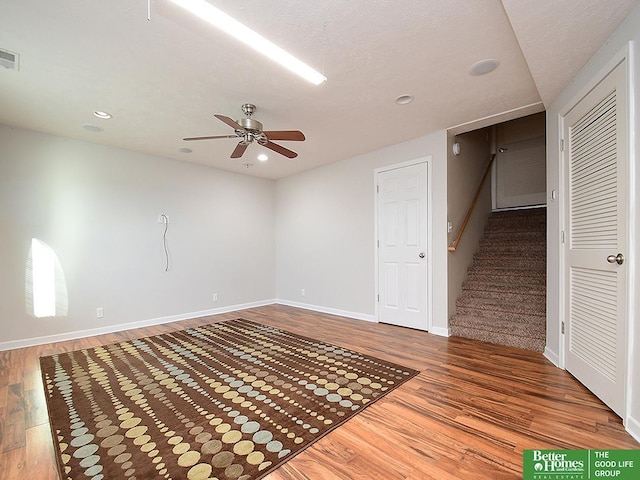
x=503, y=300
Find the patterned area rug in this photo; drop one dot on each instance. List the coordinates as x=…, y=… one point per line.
x=227, y=401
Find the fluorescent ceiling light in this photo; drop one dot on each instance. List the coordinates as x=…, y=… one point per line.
x=230, y=25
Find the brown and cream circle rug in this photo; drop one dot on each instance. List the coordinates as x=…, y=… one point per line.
x=227, y=401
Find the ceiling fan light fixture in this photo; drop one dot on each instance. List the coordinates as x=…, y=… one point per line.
x=262, y=157
x=102, y=115
x=241, y=32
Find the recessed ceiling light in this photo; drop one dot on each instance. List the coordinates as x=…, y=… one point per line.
x=92, y=128
x=404, y=99
x=231, y=26
x=262, y=157
x=483, y=67
x=102, y=115
x=185, y=150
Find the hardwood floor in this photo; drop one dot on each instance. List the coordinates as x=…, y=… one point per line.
x=469, y=414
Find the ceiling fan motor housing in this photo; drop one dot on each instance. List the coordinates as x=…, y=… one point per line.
x=250, y=124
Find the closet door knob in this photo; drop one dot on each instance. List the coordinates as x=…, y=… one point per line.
x=619, y=259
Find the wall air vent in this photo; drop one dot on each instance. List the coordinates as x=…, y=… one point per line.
x=8, y=60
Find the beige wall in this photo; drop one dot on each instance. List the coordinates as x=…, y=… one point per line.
x=525, y=128
x=97, y=208
x=464, y=173
x=325, y=227
x=519, y=178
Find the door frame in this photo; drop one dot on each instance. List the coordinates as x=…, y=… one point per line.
x=428, y=241
x=623, y=56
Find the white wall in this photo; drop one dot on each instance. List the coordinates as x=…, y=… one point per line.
x=629, y=31
x=97, y=207
x=325, y=231
x=464, y=174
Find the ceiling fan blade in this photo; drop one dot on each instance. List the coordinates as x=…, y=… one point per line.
x=295, y=135
x=281, y=150
x=188, y=139
x=229, y=121
x=239, y=150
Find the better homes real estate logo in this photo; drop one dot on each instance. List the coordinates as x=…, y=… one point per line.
x=581, y=464
x=557, y=464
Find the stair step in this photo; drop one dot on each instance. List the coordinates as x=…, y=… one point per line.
x=531, y=215
x=498, y=236
x=503, y=300
x=534, y=257
x=499, y=315
x=528, y=302
x=518, y=221
x=513, y=262
x=488, y=300
x=498, y=280
x=525, y=342
x=505, y=275
x=532, y=324
x=515, y=227
x=484, y=307
x=519, y=248
x=492, y=285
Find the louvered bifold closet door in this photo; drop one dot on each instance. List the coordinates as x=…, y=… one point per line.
x=595, y=170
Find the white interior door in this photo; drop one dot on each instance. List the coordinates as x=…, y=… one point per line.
x=402, y=246
x=595, y=171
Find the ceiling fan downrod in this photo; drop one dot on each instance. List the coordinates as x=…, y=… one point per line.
x=248, y=109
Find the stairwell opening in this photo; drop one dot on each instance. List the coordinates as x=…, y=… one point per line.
x=497, y=275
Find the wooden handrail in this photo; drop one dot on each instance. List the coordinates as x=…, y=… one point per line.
x=455, y=243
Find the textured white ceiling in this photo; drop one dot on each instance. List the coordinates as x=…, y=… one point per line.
x=164, y=79
x=562, y=36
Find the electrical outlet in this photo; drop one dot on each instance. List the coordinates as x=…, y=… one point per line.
x=302, y=292
x=214, y=297
x=99, y=312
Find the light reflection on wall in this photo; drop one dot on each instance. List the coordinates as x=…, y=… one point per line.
x=45, y=285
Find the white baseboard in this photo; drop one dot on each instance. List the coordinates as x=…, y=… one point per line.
x=331, y=311
x=552, y=356
x=633, y=427
x=440, y=331
x=30, y=342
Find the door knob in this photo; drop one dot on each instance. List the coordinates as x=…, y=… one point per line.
x=619, y=259
x=421, y=254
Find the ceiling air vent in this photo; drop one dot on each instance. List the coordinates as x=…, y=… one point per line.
x=8, y=60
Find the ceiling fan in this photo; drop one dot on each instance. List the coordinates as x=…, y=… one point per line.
x=250, y=130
